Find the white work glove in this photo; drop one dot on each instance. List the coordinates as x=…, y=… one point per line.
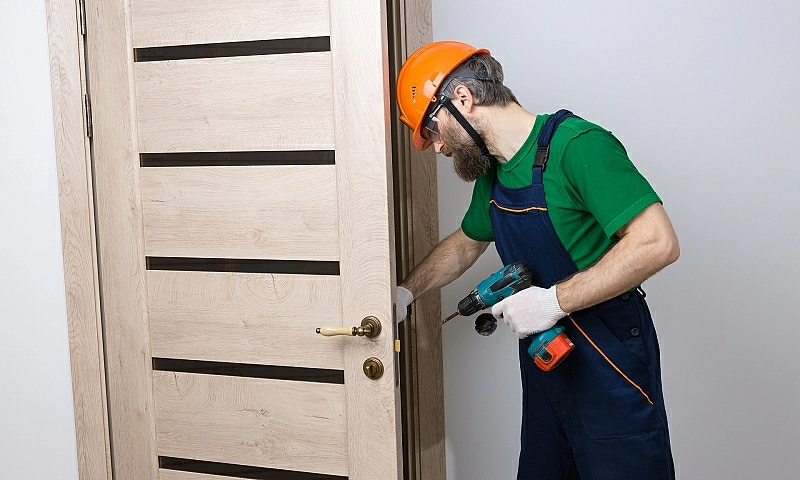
x=404, y=299
x=530, y=311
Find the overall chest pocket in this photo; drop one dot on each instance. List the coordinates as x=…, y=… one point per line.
x=511, y=208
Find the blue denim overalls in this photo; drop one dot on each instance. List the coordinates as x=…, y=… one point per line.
x=599, y=414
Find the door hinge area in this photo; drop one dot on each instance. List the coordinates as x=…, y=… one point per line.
x=82, y=16
x=87, y=104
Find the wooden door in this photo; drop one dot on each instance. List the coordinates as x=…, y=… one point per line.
x=241, y=160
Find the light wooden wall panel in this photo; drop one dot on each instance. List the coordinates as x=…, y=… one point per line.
x=268, y=212
x=245, y=317
x=215, y=104
x=260, y=422
x=179, y=22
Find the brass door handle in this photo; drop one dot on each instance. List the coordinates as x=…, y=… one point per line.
x=370, y=327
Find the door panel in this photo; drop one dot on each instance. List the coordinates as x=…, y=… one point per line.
x=270, y=212
x=245, y=317
x=244, y=199
x=186, y=22
x=280, y=424
x=257, y=102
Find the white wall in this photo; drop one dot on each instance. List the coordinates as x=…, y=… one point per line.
x=37, y=432
x=705, y=97
x=703, y=94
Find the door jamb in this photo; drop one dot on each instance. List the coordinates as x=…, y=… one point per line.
x=76, y=209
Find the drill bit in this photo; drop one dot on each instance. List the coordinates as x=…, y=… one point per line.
x=449, y=318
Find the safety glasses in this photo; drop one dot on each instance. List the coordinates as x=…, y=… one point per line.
x=430, y=125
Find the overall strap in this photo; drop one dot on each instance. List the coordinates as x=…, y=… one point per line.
x=546, y=134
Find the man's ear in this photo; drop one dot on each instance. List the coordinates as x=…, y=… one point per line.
x=463, y=98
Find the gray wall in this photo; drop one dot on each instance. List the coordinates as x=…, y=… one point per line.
x=704, y=95
x=37, y=432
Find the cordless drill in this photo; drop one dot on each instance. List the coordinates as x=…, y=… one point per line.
x=548, y=348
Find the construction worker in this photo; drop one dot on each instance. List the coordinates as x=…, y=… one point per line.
x=571, y=205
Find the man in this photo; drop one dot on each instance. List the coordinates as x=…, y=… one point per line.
x=590, y=228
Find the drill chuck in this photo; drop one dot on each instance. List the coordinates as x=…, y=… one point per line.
x=502, y=284
x=471, y=304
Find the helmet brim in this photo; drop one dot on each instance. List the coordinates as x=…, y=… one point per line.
x=420, y=143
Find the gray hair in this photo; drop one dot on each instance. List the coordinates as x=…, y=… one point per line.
x=490, y=91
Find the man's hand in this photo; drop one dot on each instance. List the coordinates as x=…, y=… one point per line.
x=404, y=299
x=448, y=260
x=529, y=311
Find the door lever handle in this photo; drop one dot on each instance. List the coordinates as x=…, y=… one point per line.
x=370, y=327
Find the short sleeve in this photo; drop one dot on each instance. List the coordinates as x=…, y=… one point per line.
x=603, y=181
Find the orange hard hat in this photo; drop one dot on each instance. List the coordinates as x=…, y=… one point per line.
x=420, y=78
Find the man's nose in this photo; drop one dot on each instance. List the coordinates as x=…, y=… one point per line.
x=437, y=145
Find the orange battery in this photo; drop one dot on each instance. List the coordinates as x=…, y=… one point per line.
x=547, y=352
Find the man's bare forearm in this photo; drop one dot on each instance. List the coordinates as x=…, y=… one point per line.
x=446, y=262
x=647, y=244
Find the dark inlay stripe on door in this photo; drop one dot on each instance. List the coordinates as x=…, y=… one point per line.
x=274, y=372
x=232, y=49
x=239, y=471
x=237, y=159
x=243, y=265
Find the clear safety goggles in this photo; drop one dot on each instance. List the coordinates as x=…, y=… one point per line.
x=430, y=126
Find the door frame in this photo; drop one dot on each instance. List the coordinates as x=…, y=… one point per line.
x=76, y=208
x=416, y=230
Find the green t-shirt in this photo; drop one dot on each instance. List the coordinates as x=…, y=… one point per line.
x=591, y=187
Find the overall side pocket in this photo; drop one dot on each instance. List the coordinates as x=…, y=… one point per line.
x=611, y=381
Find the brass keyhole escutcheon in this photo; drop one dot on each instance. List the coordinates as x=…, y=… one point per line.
x=373, y=368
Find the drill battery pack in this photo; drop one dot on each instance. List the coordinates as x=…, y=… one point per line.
x=550, y=347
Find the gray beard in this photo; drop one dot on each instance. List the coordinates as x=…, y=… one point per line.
x=469, y=162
